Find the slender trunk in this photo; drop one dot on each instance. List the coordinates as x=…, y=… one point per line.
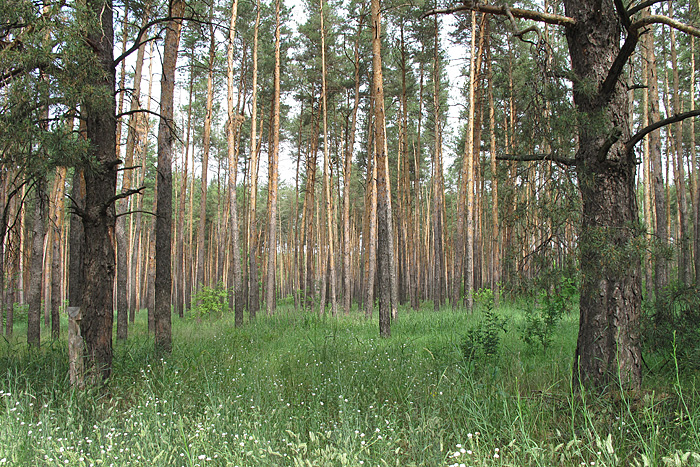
x=347, y=177
x=56, y=259
x=253, y=304
x=466, y=197
x=164, y=193
x=273, y=173
x=684, y=254
x=438, y=263
x=122, y=204
x=661, y=264
x=201, y=231
x=495, y=233
x=328, y=201
x=385, y=234
x=235, y=282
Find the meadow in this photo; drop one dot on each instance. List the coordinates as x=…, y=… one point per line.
x=298, y=389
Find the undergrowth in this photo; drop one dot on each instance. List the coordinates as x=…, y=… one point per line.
x=298, y=389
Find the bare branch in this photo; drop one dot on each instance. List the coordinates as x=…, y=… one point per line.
x=660, y=19
x=123, y=194
x=637, y=8
x=655, y=126
x=623, y=14
x=548, y=18
x=537, y=158
x=626, y=51
x=136, y=211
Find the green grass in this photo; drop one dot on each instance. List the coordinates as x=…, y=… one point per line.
x=298, y=389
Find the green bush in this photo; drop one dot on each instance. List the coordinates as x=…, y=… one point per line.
x=210, y=302
x=483, y=338
x=542, y=320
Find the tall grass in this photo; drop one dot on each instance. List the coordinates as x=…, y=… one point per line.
x=299, y=389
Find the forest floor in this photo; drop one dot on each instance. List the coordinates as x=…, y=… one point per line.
x=446, y=389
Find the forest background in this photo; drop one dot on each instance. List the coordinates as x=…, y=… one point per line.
x=120, y=193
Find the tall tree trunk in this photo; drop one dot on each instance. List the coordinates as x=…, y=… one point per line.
x=253, y=304
x=180, y=259
x=465, y=240
x=384, y=217
x=438, y=187
x=56, y=258
x=37, y=263
x=99, y=213
x=661, y=273
x=201, y=231
x=347, y=177
x=164, y=192
x=273, y=173
x=495, y=233
x=327, y=199
x=235, y=282
x=123, y=204
x=608, y=349
x=684, y=254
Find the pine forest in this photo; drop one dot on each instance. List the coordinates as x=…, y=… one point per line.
x=349, y=232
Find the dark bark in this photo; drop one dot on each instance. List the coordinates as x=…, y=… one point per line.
x=75, y=259
x=608, y=351
x=164, y=193
x=99, y=215
x=37, y=262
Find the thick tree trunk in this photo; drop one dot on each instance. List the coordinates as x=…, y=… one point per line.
x=608, y=349
x=164, y=192
x=99, y=215
x=37, y=263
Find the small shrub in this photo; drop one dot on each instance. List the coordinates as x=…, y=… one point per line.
x=210, y=302
x=483, y=338
x=541, y=321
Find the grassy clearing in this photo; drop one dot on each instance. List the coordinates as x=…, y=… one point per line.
x=297, y=389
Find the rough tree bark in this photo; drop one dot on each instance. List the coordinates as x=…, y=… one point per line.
x=385, y=235
x=98, y=211
x=164, y=187
x=36, y=268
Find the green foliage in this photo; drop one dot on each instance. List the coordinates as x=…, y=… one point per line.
x=210, y=302
x=483, y=338
x=541, y=321
x=674, y=321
